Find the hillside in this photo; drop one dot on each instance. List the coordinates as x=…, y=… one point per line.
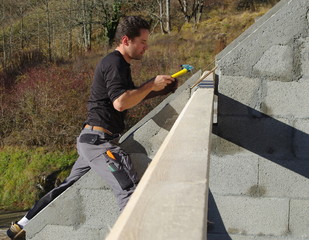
x=44, y=89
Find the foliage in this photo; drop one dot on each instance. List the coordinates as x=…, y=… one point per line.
x=112, y=17
x=26, y=174
x=19, y=64
x=45, y=108
x=59, y=29
x=252, y=4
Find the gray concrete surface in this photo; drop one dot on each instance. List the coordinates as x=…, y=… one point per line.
x=88, y=209
x=249, y=237
x=285, y=23
x=259, y=173
x=251, y=216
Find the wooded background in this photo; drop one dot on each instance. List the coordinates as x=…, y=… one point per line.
x=53, y=29
x=48, y=52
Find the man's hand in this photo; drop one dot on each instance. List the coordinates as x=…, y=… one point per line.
x=161, y=81
x=169, y=88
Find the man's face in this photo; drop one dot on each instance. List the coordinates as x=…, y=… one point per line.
x=138, y=45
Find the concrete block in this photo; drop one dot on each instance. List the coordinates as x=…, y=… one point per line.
x=258, y=23
x=248, y=237
x=241, y=89
x=178, y=103
x=52, y=232
x=267, y=137
x=140, y=162
x=287, y=99
x=156, y=141
x=276, y=63
x=248, y=216
x=100, y=209
x=221, y=147
x=65, y=210
x=284, y=179
x=166, y=117
x=149, y=137
x=72, y=208
x=301, y=139
x=88, y=180
x=132, y=145
x=299, y=221
x=138, y=142
x=233, y=175
x=305, y=58
x=280, y=28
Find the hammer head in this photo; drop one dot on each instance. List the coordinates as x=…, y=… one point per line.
x=187, y=66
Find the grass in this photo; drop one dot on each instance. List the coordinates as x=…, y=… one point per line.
x=24, y=169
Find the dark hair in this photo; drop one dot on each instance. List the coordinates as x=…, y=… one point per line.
x=130, y=26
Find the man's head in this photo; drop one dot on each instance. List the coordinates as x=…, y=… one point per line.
x=131, y=37
x=131, y=27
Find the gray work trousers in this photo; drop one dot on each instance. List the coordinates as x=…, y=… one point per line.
x=116, y=170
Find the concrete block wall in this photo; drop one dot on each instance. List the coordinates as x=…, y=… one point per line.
x=259, y=174
x=88, y=209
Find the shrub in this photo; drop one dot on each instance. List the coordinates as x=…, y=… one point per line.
x=47, y=108
x=20, y=62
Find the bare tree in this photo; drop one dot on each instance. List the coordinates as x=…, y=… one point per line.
x=21, y=9
x=3, y=15
x=48, y=28
x=161, y=16
x=70, y=32
x=191, y=9
x=168, y=16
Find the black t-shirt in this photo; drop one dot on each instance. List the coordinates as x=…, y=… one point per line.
x=112, y=78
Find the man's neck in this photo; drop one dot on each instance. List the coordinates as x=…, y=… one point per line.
x=124, y=54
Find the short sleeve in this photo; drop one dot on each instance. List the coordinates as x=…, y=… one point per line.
x=118, y=80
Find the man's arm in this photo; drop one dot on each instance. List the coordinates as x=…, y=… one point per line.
x=131, y=98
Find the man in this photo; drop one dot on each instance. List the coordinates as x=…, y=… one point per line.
x=112, y=93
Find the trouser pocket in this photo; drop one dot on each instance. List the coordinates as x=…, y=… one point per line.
x=120, y=165
x=123, y=179
x=90, y=138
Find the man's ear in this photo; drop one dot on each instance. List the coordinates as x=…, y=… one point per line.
x=125, y=40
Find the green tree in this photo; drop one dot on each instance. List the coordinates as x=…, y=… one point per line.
x=111, y=14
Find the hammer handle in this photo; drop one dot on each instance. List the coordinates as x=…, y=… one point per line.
x=181, y=72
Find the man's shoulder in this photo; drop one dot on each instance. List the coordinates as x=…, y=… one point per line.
x=112, y=58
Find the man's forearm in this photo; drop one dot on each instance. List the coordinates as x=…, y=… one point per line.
x=131, y=98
